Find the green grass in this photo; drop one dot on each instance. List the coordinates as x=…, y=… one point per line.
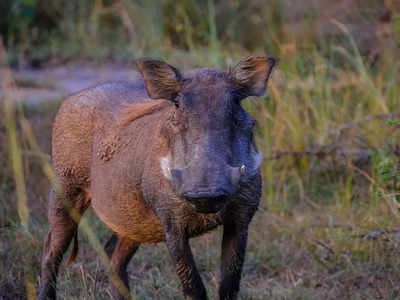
x=327, y=98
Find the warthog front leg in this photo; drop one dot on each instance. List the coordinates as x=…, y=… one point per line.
x=182, y=257
x=234, y=243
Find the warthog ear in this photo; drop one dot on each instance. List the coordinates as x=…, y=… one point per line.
x=252, y=73
x=161, y=79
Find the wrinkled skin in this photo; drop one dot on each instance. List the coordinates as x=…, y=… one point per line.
x=163, y=159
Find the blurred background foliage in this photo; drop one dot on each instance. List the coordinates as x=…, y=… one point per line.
x=38, y=31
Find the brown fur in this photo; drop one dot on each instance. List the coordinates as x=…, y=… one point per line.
x=135, y=111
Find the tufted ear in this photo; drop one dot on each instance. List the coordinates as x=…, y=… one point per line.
x=161, y=79
x=252, y=73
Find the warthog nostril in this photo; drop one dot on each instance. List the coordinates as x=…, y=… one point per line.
x=219, y=199
x=207, y=204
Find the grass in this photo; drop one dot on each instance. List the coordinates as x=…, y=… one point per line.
x=328, y=224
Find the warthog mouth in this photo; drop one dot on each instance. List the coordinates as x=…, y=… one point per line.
x=207, y=205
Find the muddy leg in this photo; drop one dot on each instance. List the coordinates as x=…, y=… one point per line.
x=124, y=250
x=234, y=243
x=181, y=254
x=62, y=229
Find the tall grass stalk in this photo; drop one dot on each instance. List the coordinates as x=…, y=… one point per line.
x=356, y=59
x=213, y=35
x=12, y=116
x=15, y=156
x=84, y=226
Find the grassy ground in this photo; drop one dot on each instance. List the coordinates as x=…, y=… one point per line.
x=329, y=223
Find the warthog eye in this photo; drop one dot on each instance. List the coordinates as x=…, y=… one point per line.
x=177, y=100
x=174, y=122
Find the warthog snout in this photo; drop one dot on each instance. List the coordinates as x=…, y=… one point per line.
x=207, y=196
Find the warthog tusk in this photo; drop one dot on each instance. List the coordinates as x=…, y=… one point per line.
x=242, y=170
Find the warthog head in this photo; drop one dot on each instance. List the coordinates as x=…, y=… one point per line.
x=210, y=138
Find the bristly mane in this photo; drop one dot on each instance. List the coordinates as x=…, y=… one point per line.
x=134, y=111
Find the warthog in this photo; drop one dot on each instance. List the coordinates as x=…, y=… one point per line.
x=165, y=158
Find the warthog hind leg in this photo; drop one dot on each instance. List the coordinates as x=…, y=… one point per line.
x=110, y=245
x=64, y=216
x=124, y=250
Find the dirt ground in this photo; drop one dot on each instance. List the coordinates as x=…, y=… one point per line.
x=55, y=83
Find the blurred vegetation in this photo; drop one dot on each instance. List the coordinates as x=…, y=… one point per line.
x=39, y=31
x=328, y=224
